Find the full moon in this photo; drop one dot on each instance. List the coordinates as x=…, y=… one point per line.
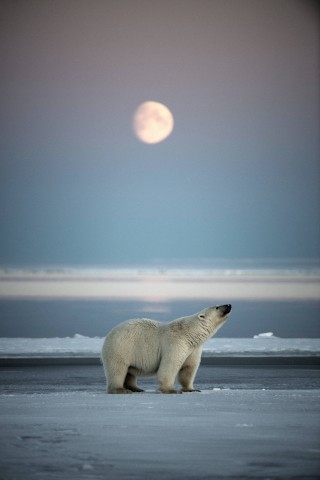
x=152, y=122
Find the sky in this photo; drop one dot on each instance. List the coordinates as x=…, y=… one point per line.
x=237, y=178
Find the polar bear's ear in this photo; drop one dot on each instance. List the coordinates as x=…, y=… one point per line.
x=201, y=316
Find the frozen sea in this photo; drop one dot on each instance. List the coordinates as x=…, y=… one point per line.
x=248, y=422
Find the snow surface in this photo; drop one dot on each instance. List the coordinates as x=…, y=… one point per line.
x=213, y=434
x=79, y=345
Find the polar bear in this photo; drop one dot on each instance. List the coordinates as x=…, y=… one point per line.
x=147, y=347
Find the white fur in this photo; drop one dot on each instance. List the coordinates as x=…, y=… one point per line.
x=148, y=347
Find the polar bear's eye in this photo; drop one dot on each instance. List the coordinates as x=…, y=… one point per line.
x=201, y=316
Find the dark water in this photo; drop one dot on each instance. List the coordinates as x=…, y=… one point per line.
x=56, y=318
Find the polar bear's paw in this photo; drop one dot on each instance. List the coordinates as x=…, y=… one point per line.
x=189, y=390
x=135, y=389
x=119, y=390
x=168, y=390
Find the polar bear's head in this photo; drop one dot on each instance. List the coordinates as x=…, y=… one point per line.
x=214, y=317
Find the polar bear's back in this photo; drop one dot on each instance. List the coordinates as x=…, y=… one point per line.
x=138, y=329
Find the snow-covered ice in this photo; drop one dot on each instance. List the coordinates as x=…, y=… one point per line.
x=79, y=345
x=214, y=434
x=262, y=344
x=264, y=335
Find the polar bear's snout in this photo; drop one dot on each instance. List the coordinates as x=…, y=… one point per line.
x=225, y=309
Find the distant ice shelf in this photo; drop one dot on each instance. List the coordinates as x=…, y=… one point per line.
x=79, y=345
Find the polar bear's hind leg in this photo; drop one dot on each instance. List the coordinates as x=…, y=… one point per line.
x=116, y=379
x=130, y=382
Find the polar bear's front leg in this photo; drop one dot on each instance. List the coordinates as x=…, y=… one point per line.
x=167, y=372
x=188, y=371
x=186, y=376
